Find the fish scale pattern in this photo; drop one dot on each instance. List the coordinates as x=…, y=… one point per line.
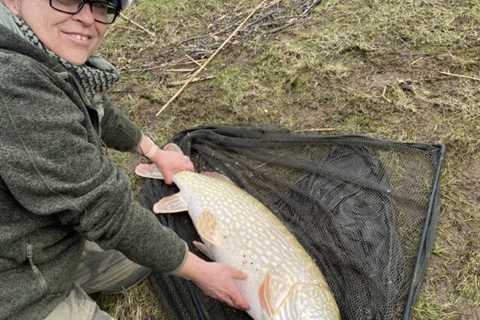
x=249, y=237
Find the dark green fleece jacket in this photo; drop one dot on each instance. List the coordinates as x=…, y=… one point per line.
x=58, y=188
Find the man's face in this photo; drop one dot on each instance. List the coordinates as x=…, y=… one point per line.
x=72, y=37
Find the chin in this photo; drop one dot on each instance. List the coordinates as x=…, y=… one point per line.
x=72, y=54
x=75, y=56
x=76, y=60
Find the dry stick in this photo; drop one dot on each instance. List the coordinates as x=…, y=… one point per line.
x=163, y=65
x=416, y=60
x=210, y=58
x=184, y=70
x=253, y=23
x=459, y=76
x=384, y=95
x=278, y=29
x=310, y=8
x=193, y=60
x=148, y=46
x=137, y=25
x=315, y=130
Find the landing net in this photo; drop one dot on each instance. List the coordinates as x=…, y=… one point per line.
x=364, y=209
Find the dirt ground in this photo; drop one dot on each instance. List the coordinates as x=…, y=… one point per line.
x=402, y=70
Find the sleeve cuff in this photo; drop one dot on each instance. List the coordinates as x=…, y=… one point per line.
x=182, y=263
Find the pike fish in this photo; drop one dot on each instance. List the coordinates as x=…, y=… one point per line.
x=283, y=283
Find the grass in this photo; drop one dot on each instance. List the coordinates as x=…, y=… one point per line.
x=360, y=66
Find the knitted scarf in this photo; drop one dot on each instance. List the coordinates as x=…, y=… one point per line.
x=96, y=76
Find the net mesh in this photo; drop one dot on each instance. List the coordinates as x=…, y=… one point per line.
x=364, y=209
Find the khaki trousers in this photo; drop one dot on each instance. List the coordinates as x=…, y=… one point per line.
x=100, y=271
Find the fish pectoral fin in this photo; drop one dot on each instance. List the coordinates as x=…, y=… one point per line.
x=273, y=292
x=149, y=170
x=265, y=296
x=170, y=204
x=203, y=249
x=207, y=228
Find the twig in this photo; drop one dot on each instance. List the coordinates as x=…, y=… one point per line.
x=193, y=60
x=459, y=201
x=185, y=70
x=310, y=7
x=416, y=60
x=152, y=34
x=210, y=59
x=151, y=44
x=288, y=25
x=179, y=83
x=273, y=4
x=384, y=96
x=459, y=76
x=315, y=130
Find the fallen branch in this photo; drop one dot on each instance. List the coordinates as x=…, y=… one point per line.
x=384, y=95
x=315, y=130
x=152, y=34
x=210, y=59
x=193, y=60
x=181, y=70
x=459, y=76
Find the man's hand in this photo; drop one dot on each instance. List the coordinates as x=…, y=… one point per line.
x=168, y=160
x=215, y=279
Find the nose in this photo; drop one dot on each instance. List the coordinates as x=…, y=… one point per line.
x=85, y=15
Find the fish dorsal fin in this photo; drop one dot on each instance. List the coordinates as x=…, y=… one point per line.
x=207, y=228
x=148, y=171
x=218, y=176
x=170, y=204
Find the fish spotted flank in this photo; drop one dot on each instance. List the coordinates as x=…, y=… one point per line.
x=283, y=281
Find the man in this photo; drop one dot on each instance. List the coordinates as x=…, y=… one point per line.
x=68, y=220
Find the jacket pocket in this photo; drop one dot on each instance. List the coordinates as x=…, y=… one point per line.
x=38, y=274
